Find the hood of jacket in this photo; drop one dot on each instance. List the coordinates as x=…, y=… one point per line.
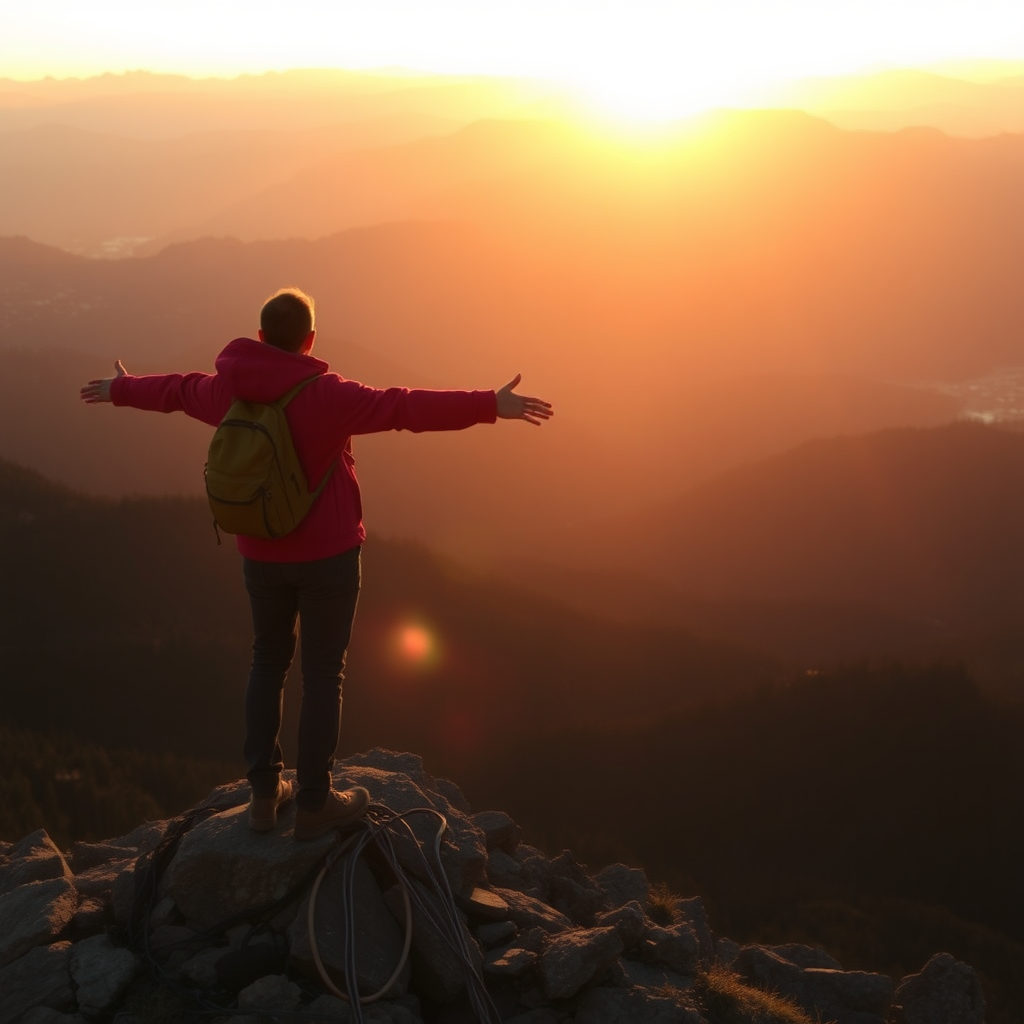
x=257, y=372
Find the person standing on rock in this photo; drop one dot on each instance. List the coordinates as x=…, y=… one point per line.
x=310, y=576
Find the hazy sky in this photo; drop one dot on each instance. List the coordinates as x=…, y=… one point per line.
x=641, y=48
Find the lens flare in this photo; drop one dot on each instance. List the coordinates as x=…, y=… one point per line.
x=415, y=643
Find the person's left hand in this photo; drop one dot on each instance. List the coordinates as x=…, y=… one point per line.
x=99, y=390
x=518, y=407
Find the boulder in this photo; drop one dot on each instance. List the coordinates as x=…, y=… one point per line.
x=40, y=978
x=377, y=940
x=499, y=830
x=101, y=973
x=846, y=997
x=222, y=868
x=439, y=971
x=944, y=991
x=573, y=892
x=529, y=912
x=435, y=825
x=34, y=859
x=35, y=914
x=632, y=1006
x=676, y=947
x=574, y=958
x=621, y=885
x=274, y=992
x=628, y=920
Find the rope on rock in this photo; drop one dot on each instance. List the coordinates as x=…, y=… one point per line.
x=384, y=827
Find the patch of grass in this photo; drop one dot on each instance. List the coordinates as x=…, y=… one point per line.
x=723, y=998
x=662, y=905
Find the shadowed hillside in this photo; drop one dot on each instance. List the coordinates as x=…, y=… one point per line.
x=140, y=621
x=923, y=522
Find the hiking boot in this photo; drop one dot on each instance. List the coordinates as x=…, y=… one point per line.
x=340, y=809
x=263, y=809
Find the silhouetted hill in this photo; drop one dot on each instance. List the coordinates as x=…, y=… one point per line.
x=901, y=541
x=924, y=522
x=125, y=619
x=893, y=99
x=768, y=240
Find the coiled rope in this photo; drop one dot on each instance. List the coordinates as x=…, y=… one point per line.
x=384, y=827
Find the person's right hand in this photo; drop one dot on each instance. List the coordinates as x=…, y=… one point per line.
x=99, y=390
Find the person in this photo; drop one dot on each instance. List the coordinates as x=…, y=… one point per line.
x=310, y=577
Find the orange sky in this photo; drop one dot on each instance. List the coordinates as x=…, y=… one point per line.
x=647, y=57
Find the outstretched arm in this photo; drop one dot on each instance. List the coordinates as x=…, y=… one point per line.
x=518, y=407
x=99, y=390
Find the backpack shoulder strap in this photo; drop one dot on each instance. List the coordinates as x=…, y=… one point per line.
x=289, y=395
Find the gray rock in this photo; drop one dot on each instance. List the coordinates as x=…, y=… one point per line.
x=575, y=958
x=99, y=881
x=34, y=859
x=528, y=912
x=944, y=991
x=222, y=867
x=504, y=870
x=623, y=1006
x=41, y=978
x=676, y=947
x=510, y=962
x=101, y=973
x=805, y=956
x=45, y=1015
x=635, y=974
x=377, y=941
x=692, y=910
x=274, y=992
x=495, y=933
x=232, y=794
x=35, y=914
x=463, y=853
x=621, y=885
x=86, y=856
x=200, y=970
x=124, y=891
x=143, y=839
x=170, y=936
x=331, y=1009
x=92, y=915
x=500, y=831
x=454, y=796
x=574, y=892
x=726, y=951
x=535, y=871
x=846, y=997
x=482, y=904
x=539, y=1015
x=628, y=920
x=438, y=971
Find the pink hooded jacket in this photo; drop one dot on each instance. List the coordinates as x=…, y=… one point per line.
x=323, y=417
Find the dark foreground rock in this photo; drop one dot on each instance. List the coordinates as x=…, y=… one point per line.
x=453, y=919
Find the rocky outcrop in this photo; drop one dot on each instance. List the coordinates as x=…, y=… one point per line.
x=435, y=913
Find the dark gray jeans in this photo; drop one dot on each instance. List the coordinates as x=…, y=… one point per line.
x=320, y=599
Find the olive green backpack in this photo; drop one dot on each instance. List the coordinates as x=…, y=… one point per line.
x=254, y=481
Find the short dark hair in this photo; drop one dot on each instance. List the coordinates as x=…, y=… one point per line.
x=287, y=319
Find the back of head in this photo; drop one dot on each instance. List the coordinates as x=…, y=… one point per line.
x=287, y=319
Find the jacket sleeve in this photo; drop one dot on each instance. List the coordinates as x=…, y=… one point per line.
x=354, y=408
x=203, y=396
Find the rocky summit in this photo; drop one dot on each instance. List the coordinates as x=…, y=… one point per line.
x=426, y=912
